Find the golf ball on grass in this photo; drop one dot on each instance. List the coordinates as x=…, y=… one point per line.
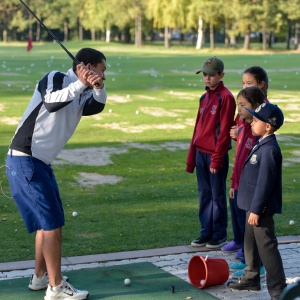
x=127, y=281
x=292, y=222
x=74, y=213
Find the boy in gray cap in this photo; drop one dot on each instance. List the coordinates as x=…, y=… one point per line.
x=208, y=153
x=260, y=195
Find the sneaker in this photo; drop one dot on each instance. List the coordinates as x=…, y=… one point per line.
x=65, y=291
x=237, y=266
x=239, y=254
x=200, y=241
x=40, y=282
x=215, y=243
x=240, y=273
x=231, y=247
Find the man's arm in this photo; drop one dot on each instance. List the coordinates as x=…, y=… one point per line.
x=96, y=103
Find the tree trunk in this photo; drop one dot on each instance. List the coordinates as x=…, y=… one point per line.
x=181, y=38
x=226, y=27
x=233, y=40
x=247, y=39
x=211, y=36
x=38, y=32
x=108, y=32
x=138, y=30
x=127, y=35
x=66, y=31
x=4, y=35
x=271, y=39
x=80, y=31
x=297, y=38
x=264, y=38
x=93, y=34
x=30, y=27
x=167, y=37
x=30, y=31
x=200, y=33
x=289, y=35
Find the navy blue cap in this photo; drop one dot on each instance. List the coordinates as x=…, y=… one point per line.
x=269, y=113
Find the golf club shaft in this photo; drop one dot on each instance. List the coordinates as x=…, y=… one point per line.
x=52, y=34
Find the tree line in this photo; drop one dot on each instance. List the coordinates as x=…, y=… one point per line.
x=141, y=20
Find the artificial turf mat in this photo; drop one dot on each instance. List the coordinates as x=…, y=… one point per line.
x=147, y=282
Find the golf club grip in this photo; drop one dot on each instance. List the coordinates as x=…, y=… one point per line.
x=54, y=36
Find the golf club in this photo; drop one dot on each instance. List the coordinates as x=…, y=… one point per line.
x=53, y=35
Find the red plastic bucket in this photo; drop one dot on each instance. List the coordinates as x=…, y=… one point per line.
x=205, y=272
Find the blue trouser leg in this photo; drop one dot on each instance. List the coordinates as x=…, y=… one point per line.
x=238, y=217
x=212, y=197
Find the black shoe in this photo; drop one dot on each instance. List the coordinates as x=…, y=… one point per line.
x=242, y=285
x=215, y=243
x=200, y=241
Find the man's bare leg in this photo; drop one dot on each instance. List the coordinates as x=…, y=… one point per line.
x=40, y=264
x=52, y=245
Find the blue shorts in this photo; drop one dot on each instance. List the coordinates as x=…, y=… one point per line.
x=35, y=191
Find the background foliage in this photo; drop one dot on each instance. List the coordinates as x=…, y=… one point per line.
x=226, y=21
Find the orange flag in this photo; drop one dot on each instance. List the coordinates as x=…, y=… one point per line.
x=29, y=45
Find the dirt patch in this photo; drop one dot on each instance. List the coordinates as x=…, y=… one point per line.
x=91, y=179
x=158, y=112
x=89, y=156
x=101, y=156
x=126, y=127
x=120, y=99
x=146, y=97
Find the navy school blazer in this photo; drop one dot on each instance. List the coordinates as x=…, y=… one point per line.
x=260, y=187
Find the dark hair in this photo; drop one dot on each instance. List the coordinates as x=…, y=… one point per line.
x=260, y=75
x=253, y=94
x=89, y=55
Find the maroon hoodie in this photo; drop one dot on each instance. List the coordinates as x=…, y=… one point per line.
x=211, y=132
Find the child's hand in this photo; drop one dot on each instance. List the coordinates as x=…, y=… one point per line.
x=253, y=219
x=231, y=193
x=213, y=171
x=234, y=132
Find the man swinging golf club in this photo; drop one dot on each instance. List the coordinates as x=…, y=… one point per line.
x=56, y=107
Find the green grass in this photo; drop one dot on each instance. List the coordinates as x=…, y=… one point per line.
x=156, y=203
